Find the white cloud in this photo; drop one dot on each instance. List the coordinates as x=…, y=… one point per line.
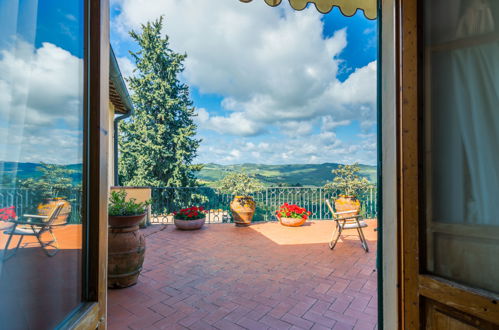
x=41, y=93
x=323, y=147
x=269, y=64
x=126, y=66
x=40, y=86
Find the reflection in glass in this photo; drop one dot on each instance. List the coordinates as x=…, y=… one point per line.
x=462, y=140
x=41, y=147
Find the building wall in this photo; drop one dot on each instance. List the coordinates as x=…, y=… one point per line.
x=111, y=144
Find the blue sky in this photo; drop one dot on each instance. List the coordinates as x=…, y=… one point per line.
x=41, y=86
x=271, y=85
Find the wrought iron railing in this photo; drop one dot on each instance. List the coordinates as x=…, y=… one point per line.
x=167, y=200
x=26, y=201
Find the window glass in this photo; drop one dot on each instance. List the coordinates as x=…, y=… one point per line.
x=462, y=140
x=41, y=148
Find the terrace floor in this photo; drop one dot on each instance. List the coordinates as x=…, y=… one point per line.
x=265, y=276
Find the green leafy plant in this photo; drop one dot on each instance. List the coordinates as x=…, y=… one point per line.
x=348, y=181
x=119, y=206
x=239, y=184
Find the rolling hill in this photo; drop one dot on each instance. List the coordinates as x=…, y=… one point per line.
x=288, y=175
x=270, y=175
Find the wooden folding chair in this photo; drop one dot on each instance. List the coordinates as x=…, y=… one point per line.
x=345, y=220
x=34, y=225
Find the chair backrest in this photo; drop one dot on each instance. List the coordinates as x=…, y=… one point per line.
x=54, y=213
x=328, y=203
x=337, y=216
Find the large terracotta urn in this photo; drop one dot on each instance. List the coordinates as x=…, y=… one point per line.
x=347, y=203
x=126, y=251
x=48, y=206
x=243, y=208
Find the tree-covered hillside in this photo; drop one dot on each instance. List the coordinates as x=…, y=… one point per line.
x=286, y=175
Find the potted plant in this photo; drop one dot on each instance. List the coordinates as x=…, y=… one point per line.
x=241, y=185
x=126, y=244
x=8, y=213
x=292, y=215
x=191, y=218
x=350, y=184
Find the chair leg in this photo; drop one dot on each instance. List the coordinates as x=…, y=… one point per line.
x=337, y=233
x=7, y=256
x=363, y=239
x=53, y=243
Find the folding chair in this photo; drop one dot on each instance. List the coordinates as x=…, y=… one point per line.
x=35, y=225
x=344, y=220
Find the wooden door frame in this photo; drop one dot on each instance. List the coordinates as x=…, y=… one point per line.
x=92, y=313
x=415, y=284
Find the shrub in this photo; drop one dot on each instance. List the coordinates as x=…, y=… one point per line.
x=119, y=206
x=348, y=181
x=239, y=184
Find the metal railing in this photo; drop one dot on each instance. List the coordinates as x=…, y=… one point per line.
x=167, y=200
x=26, y=201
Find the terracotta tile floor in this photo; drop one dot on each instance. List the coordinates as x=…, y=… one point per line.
x=261, y=277
x=37, y=291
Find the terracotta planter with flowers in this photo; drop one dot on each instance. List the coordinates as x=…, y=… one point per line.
x=8, y=213
x=292, y=215
x=191, y=218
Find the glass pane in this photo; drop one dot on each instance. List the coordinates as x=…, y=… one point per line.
x=462, y=140
x=41, y=147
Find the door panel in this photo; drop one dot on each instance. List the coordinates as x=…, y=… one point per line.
x=41, y=160
x=54, y=59
x=439, y=316
x=449, y=165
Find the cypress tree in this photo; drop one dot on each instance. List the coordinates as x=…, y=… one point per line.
x=157, y=143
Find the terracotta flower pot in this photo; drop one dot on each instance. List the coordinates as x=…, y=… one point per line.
x=347, y=203
x=126, y=251
x=189, y=224
x=292, y=222
x=48, y=205
x=243, y=208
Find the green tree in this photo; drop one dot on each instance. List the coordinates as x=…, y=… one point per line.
x=239, y=183
x=158, y=144
x=54, y=181
x=348, y=181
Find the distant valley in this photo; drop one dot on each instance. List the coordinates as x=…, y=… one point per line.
x=270, y=175
x=286, y=175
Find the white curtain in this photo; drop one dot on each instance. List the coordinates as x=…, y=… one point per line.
x=475, y=85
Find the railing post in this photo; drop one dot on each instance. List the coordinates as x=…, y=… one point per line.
x=267, y=204
x=320, y=204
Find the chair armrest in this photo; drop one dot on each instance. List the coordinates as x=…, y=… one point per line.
x=35, y=216
x=346, y=218
x=345, y=212
x=32, y=223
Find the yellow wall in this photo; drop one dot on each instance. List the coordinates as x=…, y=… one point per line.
x=111, y=144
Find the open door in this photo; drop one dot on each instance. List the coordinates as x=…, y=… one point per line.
x=448, y=155
x=54, y=77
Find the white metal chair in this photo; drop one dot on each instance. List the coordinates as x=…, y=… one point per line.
x=345, y=220
x=34, y=225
